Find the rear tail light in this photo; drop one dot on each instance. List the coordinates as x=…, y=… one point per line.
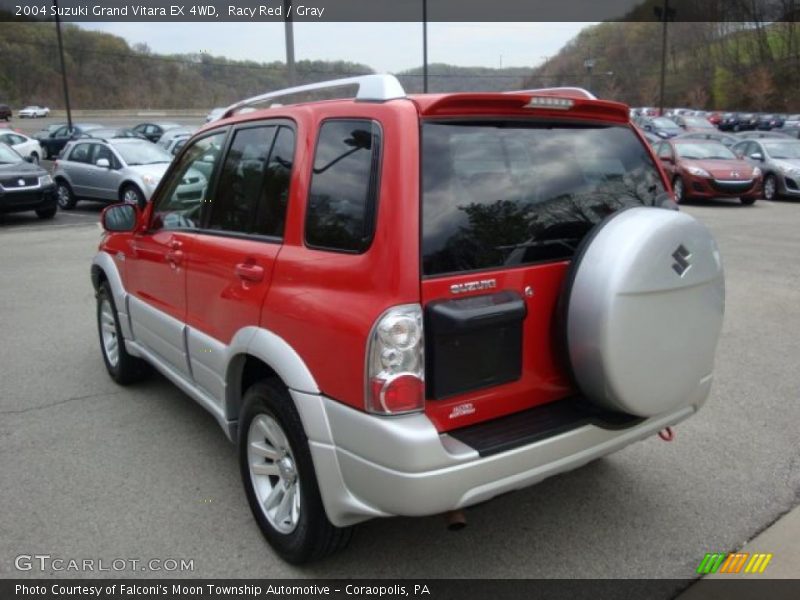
x=395, y=369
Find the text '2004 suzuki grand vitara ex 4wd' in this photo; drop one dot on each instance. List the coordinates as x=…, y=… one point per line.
x=407, y=305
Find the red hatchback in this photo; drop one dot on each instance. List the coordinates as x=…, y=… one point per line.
x=707, y=169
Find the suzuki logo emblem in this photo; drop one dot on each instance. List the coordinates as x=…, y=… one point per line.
x=681, y=264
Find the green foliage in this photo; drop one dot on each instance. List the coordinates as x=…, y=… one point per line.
x=104, y=71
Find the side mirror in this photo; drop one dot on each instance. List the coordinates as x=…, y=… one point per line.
x=103, y=163
x=757, y=156
x=120, y=217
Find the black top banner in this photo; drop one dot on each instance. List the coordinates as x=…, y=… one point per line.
x=400, y=10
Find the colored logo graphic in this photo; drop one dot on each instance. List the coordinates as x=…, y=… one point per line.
x=735, y=562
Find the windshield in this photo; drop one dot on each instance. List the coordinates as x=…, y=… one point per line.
x=783, y=150
x=8, y=156
x=665, y=123
x=703, y=151
x=142, y=153
x=498, y=194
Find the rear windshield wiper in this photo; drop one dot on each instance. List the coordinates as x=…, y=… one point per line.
x=569, y=243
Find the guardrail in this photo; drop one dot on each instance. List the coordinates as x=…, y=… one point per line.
x=130, y=112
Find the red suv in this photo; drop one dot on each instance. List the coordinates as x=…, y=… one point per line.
x=407, y=305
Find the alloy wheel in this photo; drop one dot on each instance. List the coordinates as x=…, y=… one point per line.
x=273, y=472
x=108, y=331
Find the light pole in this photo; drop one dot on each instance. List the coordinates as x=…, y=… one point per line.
x=63, y=66
x=289, y=35
x=425, y=46
x=664, y=14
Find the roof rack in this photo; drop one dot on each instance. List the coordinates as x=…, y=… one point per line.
x=371, y=88
x=569, y=92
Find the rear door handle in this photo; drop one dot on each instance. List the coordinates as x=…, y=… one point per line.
x=249, y=272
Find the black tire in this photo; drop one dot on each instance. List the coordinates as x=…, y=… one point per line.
x=314, y=536
x=46, y=213
x=66, y=198
x=772, y=185
x=132, y=195
x=128, y=369
x=748, y=201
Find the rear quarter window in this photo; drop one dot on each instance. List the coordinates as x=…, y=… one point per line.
x=340, y=214
x=504, y=194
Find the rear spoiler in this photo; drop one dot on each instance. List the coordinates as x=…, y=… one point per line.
x=551, y=102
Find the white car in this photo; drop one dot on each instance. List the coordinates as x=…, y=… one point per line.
x=24, y=145
x=33, y=112
x=215, y=114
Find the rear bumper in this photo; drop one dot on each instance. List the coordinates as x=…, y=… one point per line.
x=370, y=466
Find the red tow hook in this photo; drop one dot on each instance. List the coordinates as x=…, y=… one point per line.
x=667, y=434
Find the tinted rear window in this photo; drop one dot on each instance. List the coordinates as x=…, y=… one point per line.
x=508, y=194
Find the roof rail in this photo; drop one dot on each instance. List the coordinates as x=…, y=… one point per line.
x=371, y=88
x=569, y=92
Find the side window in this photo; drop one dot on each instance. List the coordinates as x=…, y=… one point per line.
x=341, y=201
x=272, y=210
x=102, y=151
x=180, y=204
x=61, y=132
x=81, y=153
x=15, y=139
x=241, y=180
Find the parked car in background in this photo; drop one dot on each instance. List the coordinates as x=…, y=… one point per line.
x=726, y=139
x=651, y=138
x=768, y=122
x=119, y=169
x=177, y=143
x=154, y=131
x=5, y=112
x=170, y=134
x=779, y=160
x=54, y=142
x=25, y=186
x=694, y=123
x=23, y=145
x=738, y=122
x=33, y=112
x=708, y=169
x=110, y=133
x=753, y=135
x=215, y=114
x=47, y=130
x=714, y=118
x=660, y=126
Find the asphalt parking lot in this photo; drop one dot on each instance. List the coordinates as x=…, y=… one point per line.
x=92, y=470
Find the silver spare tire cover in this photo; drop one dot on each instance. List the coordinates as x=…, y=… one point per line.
x=644, y=303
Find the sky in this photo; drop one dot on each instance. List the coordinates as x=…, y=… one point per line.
x=386, y=47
